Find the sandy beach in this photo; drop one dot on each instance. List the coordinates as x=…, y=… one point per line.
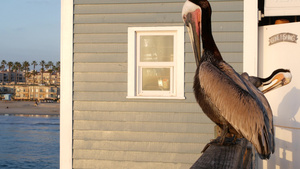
x=28, y=108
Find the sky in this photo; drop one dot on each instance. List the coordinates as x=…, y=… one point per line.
x=30, y=30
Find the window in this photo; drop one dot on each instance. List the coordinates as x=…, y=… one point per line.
x=156, y=62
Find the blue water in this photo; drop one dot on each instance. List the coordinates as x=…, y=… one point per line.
x=29, y=142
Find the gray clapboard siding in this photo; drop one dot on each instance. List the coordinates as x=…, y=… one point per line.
x=100, y=77
x=139, y=146
x=143, y=126
x=142, y=136
x=121, y=1
x=128, y=8
x=100, y=87
x=136, y=106
x=122, y=37
x=100, y=57
x=122, y=47
x=182, y=117
x=111, y=131
x=112, y=87
x=101, y=38
x=104, y=164
x=121, y=97
x=114, y=27
x=136, y=1
x=150, y=7
x=100, y=48
x=100, y=67
x=229, y=26
x=150, y=18
x=135, y=156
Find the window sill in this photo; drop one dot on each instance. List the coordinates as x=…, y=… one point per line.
x=155, y=97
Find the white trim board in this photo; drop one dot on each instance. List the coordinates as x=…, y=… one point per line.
x=66, y=104
x=250, y=51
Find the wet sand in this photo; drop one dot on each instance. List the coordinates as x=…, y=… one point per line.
x=28, y=108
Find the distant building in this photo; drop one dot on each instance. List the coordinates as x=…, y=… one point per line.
x=36, y=92
x=7, y=97
x=8, y=77
x=52, y=78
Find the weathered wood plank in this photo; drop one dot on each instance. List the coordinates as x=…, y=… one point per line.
x=143, y=136
x=226, y=157
x=169, y=117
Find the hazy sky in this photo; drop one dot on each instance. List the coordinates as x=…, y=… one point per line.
x=30, y=30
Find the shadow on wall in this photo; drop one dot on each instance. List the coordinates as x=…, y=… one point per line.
x=287, y=133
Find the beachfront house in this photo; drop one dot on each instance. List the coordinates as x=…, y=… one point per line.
x=127, y=70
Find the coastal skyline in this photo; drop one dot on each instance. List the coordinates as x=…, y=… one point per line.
x=30, y=30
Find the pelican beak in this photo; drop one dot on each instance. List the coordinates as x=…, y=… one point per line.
x=191, y=14
x=278, y=80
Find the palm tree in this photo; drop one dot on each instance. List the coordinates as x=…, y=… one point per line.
x=58, y=66
x=50, y=73
x=42, y=63
x=34, y=63
x=3, y=64
x=18, y=68
x=34, y=72
x=26, y=68
x=10, y=65
x=50, y=63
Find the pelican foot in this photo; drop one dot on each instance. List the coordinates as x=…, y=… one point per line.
x=227, y=141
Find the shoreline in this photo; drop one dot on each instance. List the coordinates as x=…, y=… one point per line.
x=28, y=109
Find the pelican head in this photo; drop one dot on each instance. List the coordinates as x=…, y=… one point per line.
x=279, y=78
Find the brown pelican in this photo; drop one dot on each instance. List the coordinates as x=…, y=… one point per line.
x=278, y=78
x=227, y=98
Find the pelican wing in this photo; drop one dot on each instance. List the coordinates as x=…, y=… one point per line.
x=240, y=103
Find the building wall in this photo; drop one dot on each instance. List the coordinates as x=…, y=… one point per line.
x=24, y=92
x=110, y=131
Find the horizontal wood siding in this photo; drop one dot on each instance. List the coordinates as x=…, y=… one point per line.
x=111, y=131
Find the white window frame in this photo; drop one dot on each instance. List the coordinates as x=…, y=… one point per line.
x=177, y=74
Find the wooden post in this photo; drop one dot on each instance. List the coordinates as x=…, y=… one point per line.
x=236, y=156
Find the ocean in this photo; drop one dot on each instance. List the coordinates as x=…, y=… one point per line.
x=29, y=142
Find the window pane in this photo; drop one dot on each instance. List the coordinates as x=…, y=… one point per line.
x=156, y=48
x=156, y=79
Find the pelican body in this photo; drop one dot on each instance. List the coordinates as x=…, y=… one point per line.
x=227, y=98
